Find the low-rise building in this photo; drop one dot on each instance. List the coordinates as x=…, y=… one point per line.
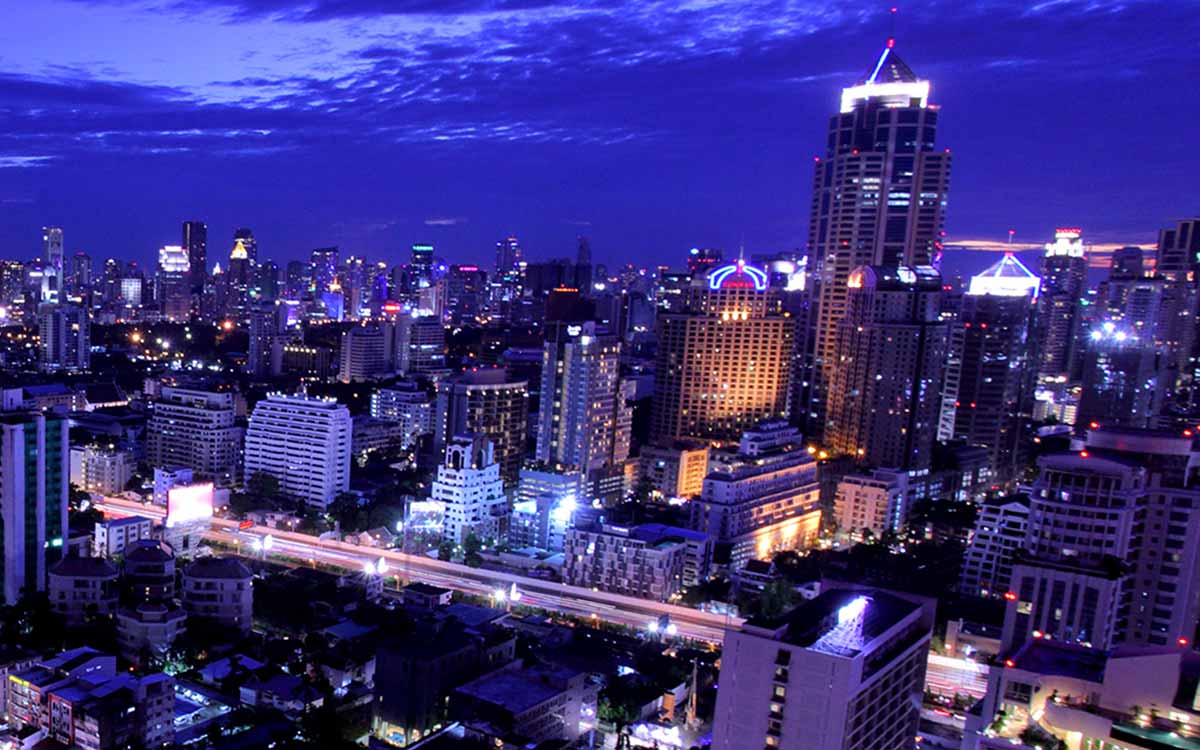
x=104, y=470
x=525, y=706
x=871, y=505
x=112, y=535
x=625, y=560
x=675, y=470
x=83, y=589
x=219, y=589
x=148, y=629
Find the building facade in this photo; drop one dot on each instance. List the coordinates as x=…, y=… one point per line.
x=303, y=442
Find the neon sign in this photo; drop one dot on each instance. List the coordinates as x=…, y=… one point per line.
x=738, y=276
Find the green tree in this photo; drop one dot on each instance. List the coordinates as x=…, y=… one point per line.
x=620, y=706
x=262, y=485
x=446, y=550
x=471, y=547
x=777, y=597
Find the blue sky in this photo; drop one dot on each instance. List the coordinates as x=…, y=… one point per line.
x=649, y=126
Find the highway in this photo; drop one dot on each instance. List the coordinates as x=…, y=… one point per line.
x=548, y=595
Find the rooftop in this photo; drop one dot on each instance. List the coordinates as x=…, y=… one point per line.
x=517, y=691
x=217, y=567
x=841, y=622
x=1049, y=657
x=84, y=567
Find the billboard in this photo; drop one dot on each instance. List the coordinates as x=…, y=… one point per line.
x=189, y=503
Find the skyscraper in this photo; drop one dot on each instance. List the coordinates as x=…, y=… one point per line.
x=422, y=260
x=174, y=293
x=583, y=251
x=64, y=338
x=884, y=398
x=195, y=242
x=323, y=269
x=194, y=428
x=33, y=499
x=53, y=272
x=304, y=442
x=724, y=362
x=991, y=342
x=1179, y=263
x=488, y=402
x=583, y=417
x=879, y=195
x=508, y=254
x=1064, y=270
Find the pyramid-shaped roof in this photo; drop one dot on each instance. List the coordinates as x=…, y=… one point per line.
x=889, y=68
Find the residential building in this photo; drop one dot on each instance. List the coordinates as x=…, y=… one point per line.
x=220, y=589
x=723, y=363
x=33, y=499
x=544, y=508
x=871, y=505
x=363, y=354
x=195, y=428
x=83, y=589
x=625, y=561
x=999, y=534
x=112, y=536
x=487, y=401
x=843, y=671
x=762, y=498
x=304, y=443
x=675, y=470
x=407, y=404
x=64, y=338
x=103, y=470
x=469, y=485
x=526, y=706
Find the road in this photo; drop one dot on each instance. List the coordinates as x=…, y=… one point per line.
x=556, y=597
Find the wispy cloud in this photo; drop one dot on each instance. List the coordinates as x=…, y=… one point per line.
x=445, y=221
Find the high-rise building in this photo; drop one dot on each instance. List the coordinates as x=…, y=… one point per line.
x=871, y=504
x=173, y=288
x=1064, y=271
x=843, y=671
x=64, y=338
x=195, y=242
x=762, y=498
x=363, y=354
x=724, y=363
x=79, y=273
x=322, y=269
x=34, y=476
x=466, y=294
x=408, y=405
x=53, y=272
x=304, y=442
x=1107, y=557
x=195, y=428
x=1125, y=381
x=416, y=344
x=583, y=251
x=879, y=197
x=487, y=401
x=991, y=355
x=508, y=254
x=544, y=508
x=884, y=399
x=469, y=486
x=1178, y=262
x=268, y=325
x=1000, y=530
x=584, y=418
x=422, y=260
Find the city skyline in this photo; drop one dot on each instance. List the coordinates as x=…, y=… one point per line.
x=489, y=128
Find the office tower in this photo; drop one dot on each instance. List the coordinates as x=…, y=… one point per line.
x=508, y=254
x=268, y=325
x=638, y=562
x=79, y=273
x=363, y=354
x=490, y=402
x=583, y=251
x=701, y=260
x=422, y=261
x=724, y=363
x=416, y=344
x=1128, y=262
x=1064, y=271
x=322, y=269
x=195, y=242
x=1124, y=378
x=173, y=294
x=64, y=338
x=1108, y=557
x=53, y=273
x=762, y=498
x=879, y=197
x=583, y=419
x=239, y=274
x=265, y=285
x=296, y=279
x=1000, y=530
x=33, y=499
x=304, y=442
x=544, y=508
x=1178, y=262
x=884, y=400
x=194, y=428
x=843, y=671
x=466, y=295
x=469, y=486
x=991, y=362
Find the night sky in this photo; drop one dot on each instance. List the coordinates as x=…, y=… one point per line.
x=651, y=127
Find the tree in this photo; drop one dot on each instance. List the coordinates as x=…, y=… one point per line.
x=345, y=511
x=471, y=548
x=777, y=598
x=446, y=550
x=620, y=706
x=262, y=485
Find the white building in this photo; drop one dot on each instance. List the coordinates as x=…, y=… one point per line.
x=999, y=532
x=407, y=404
x=875, y=503
x=843, y=671
x=112, y=535
x=647, y=565
x=304, y=442
x=762, y=499
x=82, y=587
x=220, y=589
x=195, y=428
x=544, y=508
x=363, y=354
x=102, y=470
x=469, y=484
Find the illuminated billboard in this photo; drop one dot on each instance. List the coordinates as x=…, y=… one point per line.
x=189, y=503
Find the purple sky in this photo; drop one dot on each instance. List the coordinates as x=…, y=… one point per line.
x=649, y=126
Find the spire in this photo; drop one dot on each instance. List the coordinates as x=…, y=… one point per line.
x=889, y=68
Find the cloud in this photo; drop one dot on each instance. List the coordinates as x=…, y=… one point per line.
x=445, y=221
x=24, y=162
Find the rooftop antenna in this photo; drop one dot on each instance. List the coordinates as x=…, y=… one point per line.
x=891, y=42
x=1011, y=232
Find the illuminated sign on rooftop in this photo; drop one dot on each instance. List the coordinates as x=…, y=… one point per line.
x=738, y=276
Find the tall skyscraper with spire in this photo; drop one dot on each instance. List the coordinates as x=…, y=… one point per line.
x=879, y=199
